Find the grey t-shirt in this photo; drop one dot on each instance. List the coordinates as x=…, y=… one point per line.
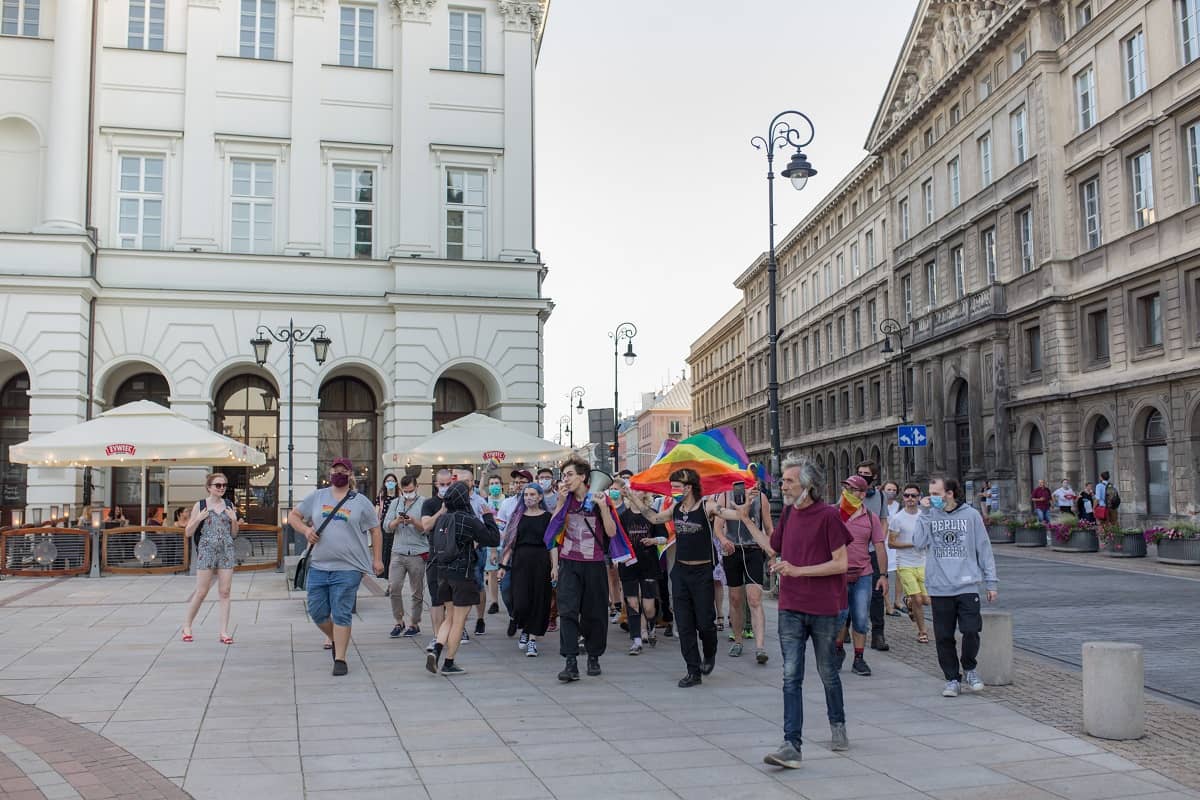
x=408, y=541
x=343, y=543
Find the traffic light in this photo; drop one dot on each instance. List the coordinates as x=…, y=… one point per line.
x=612, y=449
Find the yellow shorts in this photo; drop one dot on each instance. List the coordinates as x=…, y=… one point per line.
x=912, y=580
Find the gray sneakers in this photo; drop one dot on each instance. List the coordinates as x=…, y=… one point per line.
x=787, y=756
x=973, y=680
x=840, y=740
x=951, y=689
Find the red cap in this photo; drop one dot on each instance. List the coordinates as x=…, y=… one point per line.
x=856, y=482
x=342, y=462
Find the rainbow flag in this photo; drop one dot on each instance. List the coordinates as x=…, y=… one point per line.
x=716, y=455
x=620, y=551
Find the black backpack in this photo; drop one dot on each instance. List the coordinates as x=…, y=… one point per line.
x=443, y=543
x=1112, y=498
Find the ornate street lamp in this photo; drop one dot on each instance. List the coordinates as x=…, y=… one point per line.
x=626, y=331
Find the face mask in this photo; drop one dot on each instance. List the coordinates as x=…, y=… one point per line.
x=442, y=491
x=545, y=484
x=391, y=485
x=615, y=495
x=494, y=490
x=339, y=479
x=678, y=498
x=889, y=494
x=937, y=502
x=409, y=495
x=799, y=501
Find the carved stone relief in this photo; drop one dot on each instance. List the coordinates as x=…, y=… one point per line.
x=414, y=10
x=521, y=15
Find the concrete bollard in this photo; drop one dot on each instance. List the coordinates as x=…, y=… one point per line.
x=1113, y=690
x=996, y=648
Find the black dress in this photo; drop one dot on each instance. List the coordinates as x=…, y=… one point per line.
x=531, y=590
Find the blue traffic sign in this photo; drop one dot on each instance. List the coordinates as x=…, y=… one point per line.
x=912, y=436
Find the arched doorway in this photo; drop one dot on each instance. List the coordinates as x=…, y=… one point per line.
x=1102, y=448
x=1157, y=465
x=1037, y=459
x=14, y=429
x=126, y=489
x=962, y=429
x=248, y=410
x=451, y=400
x=347, y=429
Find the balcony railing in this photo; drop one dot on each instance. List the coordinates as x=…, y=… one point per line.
x=967, y=310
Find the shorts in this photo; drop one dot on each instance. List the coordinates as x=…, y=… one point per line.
x=432, y=570
x=461, y=593
x=331, y=593
x=745, y=565
x=912, y=580
x=647, y=587
x=858, y=596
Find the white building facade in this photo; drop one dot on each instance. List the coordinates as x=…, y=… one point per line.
x=179, y=172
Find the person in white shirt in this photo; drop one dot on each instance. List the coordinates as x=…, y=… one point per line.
x=911, y=566
x=1064, y=497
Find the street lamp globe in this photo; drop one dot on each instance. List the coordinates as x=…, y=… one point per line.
x=321, y=348
x=799, y=170
x=261, y=345
x=887, y=346
x=630, y=356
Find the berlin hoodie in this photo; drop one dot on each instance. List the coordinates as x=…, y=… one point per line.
x=960, y=554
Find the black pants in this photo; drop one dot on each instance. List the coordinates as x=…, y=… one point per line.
x=388, y=538
x=695, y=612
x=530, y=589
x=948, y=612
x=582, y=606
x=877, y=599
x=664, y=594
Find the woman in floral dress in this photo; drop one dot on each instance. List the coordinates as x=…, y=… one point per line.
x=212, y=526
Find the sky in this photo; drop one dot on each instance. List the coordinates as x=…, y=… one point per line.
x=650, y=199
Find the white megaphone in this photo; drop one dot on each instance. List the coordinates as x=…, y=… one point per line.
x=599, y=481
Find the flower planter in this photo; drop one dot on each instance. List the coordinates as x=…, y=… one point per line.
x=1030, y=537
x=1080, y=542
x=1179, y=551
x=1001, y=534
x=1129, y=545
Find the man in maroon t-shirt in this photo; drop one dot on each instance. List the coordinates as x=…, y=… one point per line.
x=811, y=542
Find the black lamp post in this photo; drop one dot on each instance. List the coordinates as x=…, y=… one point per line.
x=891, y=327
x=798, y=171
x=577, y=399
x=290, y=336
x=626, y=331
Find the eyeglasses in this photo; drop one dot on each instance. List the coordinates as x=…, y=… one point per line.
x=219, y=485
x=914, y=496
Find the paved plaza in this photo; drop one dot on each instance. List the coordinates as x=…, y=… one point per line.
x=264, y=717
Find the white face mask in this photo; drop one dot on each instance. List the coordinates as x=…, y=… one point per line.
x=545, y=484
x=442, y=491
x=409, y=495
x=800, y=498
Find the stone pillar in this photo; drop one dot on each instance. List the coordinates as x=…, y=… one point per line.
x=413, y=51
x=1114, y=705
x=305, y=234
x=975, y=410
x=938, y=403
x=920, y=417
x=521, y=21
x=996, y=648
x=1005, y=477
x=65, y=179
x=201, y=173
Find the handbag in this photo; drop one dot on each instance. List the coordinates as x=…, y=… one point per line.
x=300, y=580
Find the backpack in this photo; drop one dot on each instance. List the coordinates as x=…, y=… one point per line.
x=1112, y=498
x=443, y=543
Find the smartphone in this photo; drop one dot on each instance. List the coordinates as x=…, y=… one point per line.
x=739, y=492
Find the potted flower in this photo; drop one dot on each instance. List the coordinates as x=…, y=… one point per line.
x=1073, y=536
x=1001, y=528
x=1120, y=542
x=1030, y=532
x=1177, y=544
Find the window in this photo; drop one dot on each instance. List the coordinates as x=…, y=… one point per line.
x=466, y=210
x=1037, y=459
x=839, y=221
x=854, y=259
x=356, y=37
x=145, y=24
x=1085, y=98
x=856, y=328
x=140, y=203
x=1189, y=28
x=1018, y=119
x=904, y=159
x=829, y=341
x=906, y=293
x=952, y=174
x=466, y=41
x=869, y=236
x=987, y=243
x=1142, y=183
x=985, y=87
x=257, y=29
x=904, y=219
x=1149, y=320
x=854, y=209
x=674, y=427
x=842, y=343
x=960, y=275
x=828, y=279
x=956, y=111
x=927, y=197
x=1158, y=464
x=1025, y=238
x=841, y=270
x=353, y=212
x=1193, y=148
x=928, y=136
x=876, y=398
x=1089, y=205
x=872, y=319
x=1102, y=447
x=1134, y=51
x=20, y=17
x=985, y=159
x=804, y=295
x=252, y=216
x=1097, y=335
x=931, y=283
x=1033, y=350
x=1083, y=13
x=1020, y=55
x=804, y=354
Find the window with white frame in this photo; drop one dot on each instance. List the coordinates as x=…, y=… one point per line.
x=1018, y=119
x=841, y=270
x=869, y=246
x=856, y=327
x=987, y=243
x=954, y=178
x=828, y=270
x=257, y=37
x=1189, y=28
x=1133, y=51
x=927, y=198
x=140, y=202
x=353, y=212
x=1020, y=54
x=1083, y=13
x=955, y=114
x=842, y=344
x=854, y=268
x=146, y=21
x=1142, y=183
x=466, y=41
x=931, y=294
x=985, y=160
x=1085, y=98
x=985, y=87
x=466, y=213
x=20, y=17
x=356, y=36
x=960, y=273
x=1089, y=205
x=1025, y=238
x=829, y=342
x=1193, y=148
x=816, y=288
x=252, y=206
x=903, y=206
x=804, y=306
x=872, y=319
x=906, y=294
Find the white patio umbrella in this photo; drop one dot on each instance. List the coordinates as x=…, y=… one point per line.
x=137, y=434
x=478, y=439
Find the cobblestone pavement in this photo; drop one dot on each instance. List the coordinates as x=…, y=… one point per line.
x=264, y=716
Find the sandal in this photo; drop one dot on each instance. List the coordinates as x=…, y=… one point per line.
x=187, y=637
x=923, y=638
x=226, y=639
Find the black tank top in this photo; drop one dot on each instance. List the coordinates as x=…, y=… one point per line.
x=693, y=535
x=531, y=531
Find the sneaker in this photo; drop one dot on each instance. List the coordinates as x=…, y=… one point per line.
x=570, y=670
x=732, y=635
x=736, y=650
x=593, y=666
x=951, y=689
x=429, y=647
x=523, y=641
x=748, y=633
x=512, y=628
x=690, y=680
x=761, y=656
x=973, y=680
x=397, y=631
x=465, y=638
x=635, y=649
x=412, y=631
x=669, y=631
x=787, y=756
x=840, y=740
x=531, y=650
x=859, y=667
x=614, y=617
x=494, y=608
x=720, y=623
x=450, y=668
x=339, y=667
x=431, y=660
x=480, y=628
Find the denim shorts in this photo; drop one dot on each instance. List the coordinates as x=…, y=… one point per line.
x=858, y=593
x=332, y=593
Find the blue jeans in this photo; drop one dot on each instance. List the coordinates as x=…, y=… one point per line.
x=332, y=593
x=858, y=595
x=795, y=629
x=1043, y=515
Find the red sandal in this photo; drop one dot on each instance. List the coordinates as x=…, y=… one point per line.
x=187, y=637
x=226, y=639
